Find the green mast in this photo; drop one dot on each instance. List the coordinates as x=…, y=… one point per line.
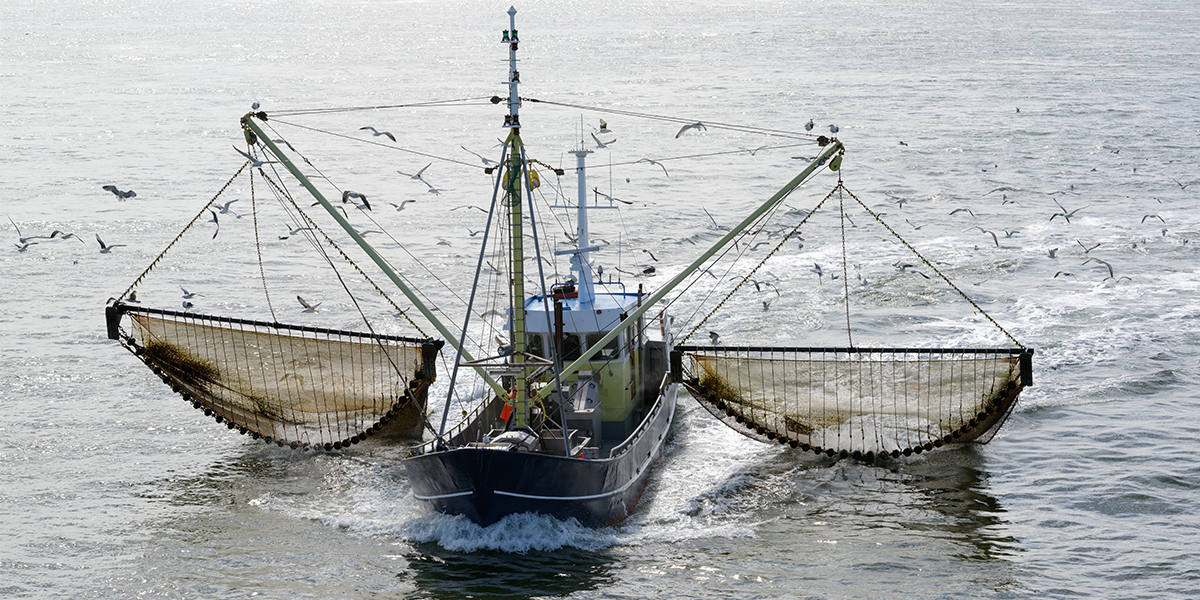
x=514, y=179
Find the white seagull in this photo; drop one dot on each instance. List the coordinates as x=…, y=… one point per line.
x=61, y=235
x=379, y=133
x=610, y=198
x=487, y=162
x=347, y=195
x=308, y=308
x=105, y=248
x=1065, y=214
x=121, y=195
x=400, y=207
x=819, y=271
x=22, y=239
x=254, y=162
x=655, y=162
x=698, y=126
x=600, y=144
x=292, y=232
x=418, y=174
x=225, y=208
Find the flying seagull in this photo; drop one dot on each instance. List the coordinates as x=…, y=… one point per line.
x=254, y=162
x=1004, y=189
x=379, y=133
x=58, y=234
x=292, y=232
x=1110, y=269
x=698, y=126
x=105, y=248
x=1065, y=214
x=400, y=207
x=992, y=233
x=600, y=144
x=655, y=162
x=604, y=126
x=715, y=337
x=610, y=198
x=347, y=195
x=487, y=162
x=307, y=307
x=121, y=195
x=26, y=239
x=225, y=209
x=418, y=174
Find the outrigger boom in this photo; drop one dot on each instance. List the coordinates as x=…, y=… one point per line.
x=251, y=126
x=833, y=148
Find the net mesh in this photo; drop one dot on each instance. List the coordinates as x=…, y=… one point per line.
x=861, y=402
x=301, y=386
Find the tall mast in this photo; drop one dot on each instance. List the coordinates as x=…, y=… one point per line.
x=514, y=179
x=579, y=260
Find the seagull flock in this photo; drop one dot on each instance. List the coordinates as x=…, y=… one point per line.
x=360, y=202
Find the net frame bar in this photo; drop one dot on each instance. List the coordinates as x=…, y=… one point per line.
x=298, y=411
x=937, y=396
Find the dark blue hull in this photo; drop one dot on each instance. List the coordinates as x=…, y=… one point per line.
x=486, y=484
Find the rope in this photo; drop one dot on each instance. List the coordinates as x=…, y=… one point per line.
x=750, y=275
x=258, y=248
x=838, y=189
x=431, y=104
x=845, y=272
x=932, y=267
x=713, y=124
x=178, y=236
x=382, y=145
x=344, y=256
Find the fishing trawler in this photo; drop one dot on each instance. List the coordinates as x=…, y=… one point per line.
x=578, y=402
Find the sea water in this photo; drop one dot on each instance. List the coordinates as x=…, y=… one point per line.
x=114, y=488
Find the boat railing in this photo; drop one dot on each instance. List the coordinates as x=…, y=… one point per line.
x=641, y=430
x=470, y=429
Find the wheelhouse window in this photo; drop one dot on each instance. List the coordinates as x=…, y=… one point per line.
x=572, y=347
x=610, y=350
x=537, y=345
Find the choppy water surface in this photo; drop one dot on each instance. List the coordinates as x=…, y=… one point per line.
x=114, y=488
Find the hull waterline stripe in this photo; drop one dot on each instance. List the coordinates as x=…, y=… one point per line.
x=641, y=470
x=440, y=496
